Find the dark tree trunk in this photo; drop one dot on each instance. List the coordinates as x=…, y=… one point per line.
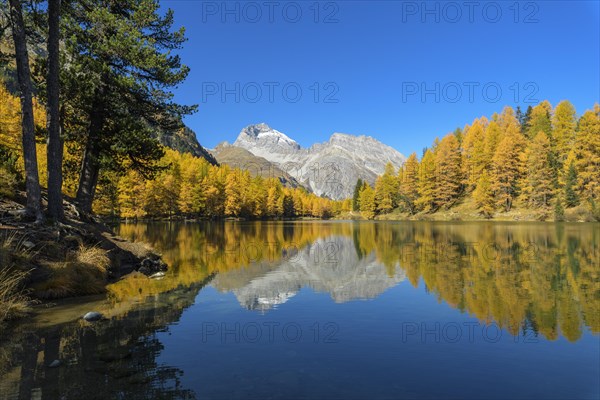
x=28, y=366
x=32, y=179
x=90, y=167
x=51, y=379
x=55, y=143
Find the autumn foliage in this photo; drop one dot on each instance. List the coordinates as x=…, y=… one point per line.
x=533, y=160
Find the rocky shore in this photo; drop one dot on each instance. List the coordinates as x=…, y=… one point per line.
x=76, y=257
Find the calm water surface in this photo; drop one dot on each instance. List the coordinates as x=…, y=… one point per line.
x=330, y=310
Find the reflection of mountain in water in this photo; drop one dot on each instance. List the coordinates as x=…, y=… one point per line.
x=330, y=265
x=538, y=277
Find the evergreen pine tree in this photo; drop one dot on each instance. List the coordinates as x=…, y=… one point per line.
x=559, y=211
x=355, y=197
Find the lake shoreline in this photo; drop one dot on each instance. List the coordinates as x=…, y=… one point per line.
x=337, y=291
x=578, y=214
x=49, y=256
x=77, y=257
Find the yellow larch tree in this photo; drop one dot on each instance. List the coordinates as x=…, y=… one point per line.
x=484, y=195
x=493, y=136
x=507, y=168
x=448, y=171
x=587, y=156
x=507, y=120
x=409, y=182
x=473, y=153
x=540, y=181
x=540, y=120
x=368, y=207
x=131, y=195
x=215, y=183
x=386, y=190
x=564, y=123
x=274, y=199
x=10, y=120
x=427, y=180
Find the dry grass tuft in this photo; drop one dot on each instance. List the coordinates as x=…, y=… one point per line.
x=14, y=257
x=93, y=256
x=13, y=252
x=83, y=273
x=14, y=302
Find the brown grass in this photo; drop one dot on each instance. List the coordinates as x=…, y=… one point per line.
x=580, y=213
x=94, y=256
x=13, y=252
x=14, y=302
x=83, y=273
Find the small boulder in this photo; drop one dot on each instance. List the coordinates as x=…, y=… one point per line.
x=150, y=266
x=54, y=364
x=157, y=275
x=93, y=316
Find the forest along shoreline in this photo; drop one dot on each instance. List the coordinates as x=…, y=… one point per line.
x=81, y=255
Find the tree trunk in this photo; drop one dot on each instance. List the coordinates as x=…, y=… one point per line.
x=32, y=180
x=90, y=167
x=55, y=143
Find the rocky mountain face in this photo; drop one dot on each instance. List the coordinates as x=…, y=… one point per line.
x=329, y=169
x=238, y=157
x=329, y=265
x=185, y=141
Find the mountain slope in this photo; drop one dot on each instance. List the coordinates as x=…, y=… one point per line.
x=329, y=169
x=238, y=157
x=185, y=141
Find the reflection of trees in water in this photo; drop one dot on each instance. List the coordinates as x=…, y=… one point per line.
x=524, y=276
x=116, y=358
x=539, y=277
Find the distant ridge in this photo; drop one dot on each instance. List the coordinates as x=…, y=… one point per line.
x=329, y=169
x=185, y=141
x=238, y=157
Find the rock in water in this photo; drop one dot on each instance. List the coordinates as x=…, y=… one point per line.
x=150, y=266
x=54, y=364
x=157, y=275
x=93, y=316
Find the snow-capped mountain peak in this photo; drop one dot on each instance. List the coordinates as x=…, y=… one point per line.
x=263, y=135
x=329, y=169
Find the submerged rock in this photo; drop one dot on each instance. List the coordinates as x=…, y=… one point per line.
x=93, y=316
x=54, y=364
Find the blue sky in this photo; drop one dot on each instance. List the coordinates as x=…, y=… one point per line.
x=403, y=72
